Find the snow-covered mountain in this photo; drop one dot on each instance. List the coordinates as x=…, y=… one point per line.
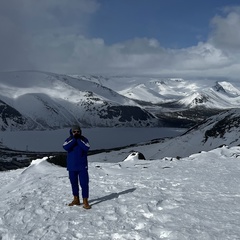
x=39, y=100
x=221, y=96
x=216, y=131
x=176, y=92
x=176, y=102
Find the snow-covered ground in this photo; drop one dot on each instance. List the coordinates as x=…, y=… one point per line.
x=197, y=197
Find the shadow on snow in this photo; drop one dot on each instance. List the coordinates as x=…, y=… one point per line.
x=110, y=196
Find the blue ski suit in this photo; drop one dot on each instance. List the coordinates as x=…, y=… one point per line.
x=77, y=163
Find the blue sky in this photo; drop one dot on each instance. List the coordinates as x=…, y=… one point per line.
x=183, y=38
x=175, y=23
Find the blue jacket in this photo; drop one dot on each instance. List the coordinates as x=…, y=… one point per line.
x=77, y=152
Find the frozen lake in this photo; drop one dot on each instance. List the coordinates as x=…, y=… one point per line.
x=99, y=138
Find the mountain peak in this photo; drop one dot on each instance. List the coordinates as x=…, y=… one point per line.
x=227, y=88
x=59, y=100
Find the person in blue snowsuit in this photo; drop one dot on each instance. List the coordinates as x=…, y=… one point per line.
x=77, y=147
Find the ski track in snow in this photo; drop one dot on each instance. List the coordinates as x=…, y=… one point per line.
x=193, y=198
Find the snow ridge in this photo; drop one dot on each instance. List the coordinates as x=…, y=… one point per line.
x=53, y=101
x=58, y=101
x=196, y=197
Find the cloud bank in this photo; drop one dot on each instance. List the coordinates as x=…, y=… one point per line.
x=52, y=35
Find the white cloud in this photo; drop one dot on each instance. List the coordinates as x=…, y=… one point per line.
x=25, y=25
x=226, y=29
x=50, y=35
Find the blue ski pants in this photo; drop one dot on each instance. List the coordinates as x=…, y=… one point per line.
x=81, y=177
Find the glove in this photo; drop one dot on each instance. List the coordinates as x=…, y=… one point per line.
x=77, y=136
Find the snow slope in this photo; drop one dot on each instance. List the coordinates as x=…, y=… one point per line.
x=54, y=101
x=187, y=93
x=216, y=131
x=197, y=197
x=33, y=100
